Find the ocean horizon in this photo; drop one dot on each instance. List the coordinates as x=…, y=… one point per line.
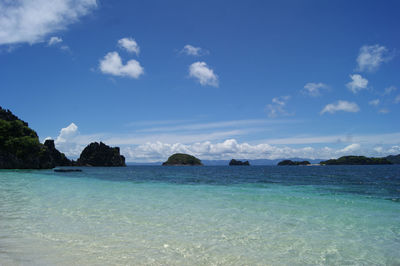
x=208, y=215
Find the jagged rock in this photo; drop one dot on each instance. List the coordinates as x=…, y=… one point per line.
x=237, y=162
x=99, y=154
x=178, y=159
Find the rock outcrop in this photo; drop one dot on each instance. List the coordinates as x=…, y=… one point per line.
x=179, y=159
x=237, y=162
x=99, y=154
x=292, y=163
x=20, y=147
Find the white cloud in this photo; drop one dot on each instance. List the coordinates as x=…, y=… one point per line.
x=357, y=84
x=30, y=21
x=203, y=74
x=129, y=44
x=67, y=133
x=340, y=106
x=372, y=56
x=314, y=89
x=112, y=64
x=191, y=50
x=384, y=111
x=54, y=40
x=374, y=102
x=397, y=99
x=206, y=150
x=278, y=107
x=389, y=90
x=350, y=148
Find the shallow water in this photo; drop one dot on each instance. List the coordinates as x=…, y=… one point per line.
x=149, y=215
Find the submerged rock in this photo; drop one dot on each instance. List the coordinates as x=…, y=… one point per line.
x=100, y=154
x=182, y=159
x=237, y=162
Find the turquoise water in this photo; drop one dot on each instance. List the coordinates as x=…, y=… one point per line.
x=148, y=215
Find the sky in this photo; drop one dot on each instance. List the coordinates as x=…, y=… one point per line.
x=216, y=79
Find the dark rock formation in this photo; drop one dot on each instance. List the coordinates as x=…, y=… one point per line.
x=236, y=162
x=20, y=147
x=53, y=157
x=293, y=163
x=99, y=154
x=356, y=160
x=182, y=159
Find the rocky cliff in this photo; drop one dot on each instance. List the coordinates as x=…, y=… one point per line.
x=99, y=154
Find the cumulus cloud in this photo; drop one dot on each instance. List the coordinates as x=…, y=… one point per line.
x=374, y=102
x=191, y=50
x=372, y=56
x=278, y=107
x=314, y=89
x=112, y=64
x=357, y=84
x=344, y=106
x=54, y=40
x=204, y=74
x=129, y=44
x=67, y=133
x=30, y=21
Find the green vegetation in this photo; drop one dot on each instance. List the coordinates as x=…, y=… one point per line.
x=20, y=146
x=356, y=160
x=236, y=162
x=182, y=159
x=293, y=163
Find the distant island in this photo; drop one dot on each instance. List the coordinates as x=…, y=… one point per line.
x=293, y=163
x=179, y=159
x=20, y=148
x=237, y=162
x=357, y=160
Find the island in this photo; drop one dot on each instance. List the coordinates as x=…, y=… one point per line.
x=394, y=159
x=234, y=162
x=356, y=160
x=20, y=147
x=293, y=163
x=179, y=159
x=100, y=154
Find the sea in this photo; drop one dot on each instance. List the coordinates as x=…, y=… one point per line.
x=207, y=215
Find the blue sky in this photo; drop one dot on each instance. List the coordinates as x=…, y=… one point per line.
x=217, y=79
